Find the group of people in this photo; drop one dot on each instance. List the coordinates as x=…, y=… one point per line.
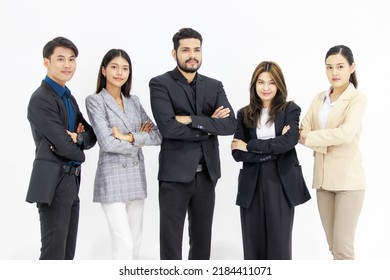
x=190, y=111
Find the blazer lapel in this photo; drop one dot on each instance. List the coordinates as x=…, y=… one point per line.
x=110, y=102
x=187, y=89
x=200, y=92
x=190, y=96
x=279, y=122
x=336, y=115
x=61, y=106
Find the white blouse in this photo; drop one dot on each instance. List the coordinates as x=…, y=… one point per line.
x=263, y=130
x=326, y=108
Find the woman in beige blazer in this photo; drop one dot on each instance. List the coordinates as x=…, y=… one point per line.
x=122, y=128
x=332, y=129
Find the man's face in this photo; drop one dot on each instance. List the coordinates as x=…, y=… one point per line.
x=61, y=65
x=188, y=55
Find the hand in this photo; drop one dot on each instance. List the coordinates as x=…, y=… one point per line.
x=238, y=144
x=183, y=119
x=302, y=137
x=80, y=128
x=117, y=133
x=146, y=127
x=285, y=129
x=73, y=135
x=221, y=113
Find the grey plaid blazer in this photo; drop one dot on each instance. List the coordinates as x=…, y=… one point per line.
x=120, y=174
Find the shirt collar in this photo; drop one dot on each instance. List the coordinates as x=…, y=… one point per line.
x=181, y=77
x=327, y=96
x=60, y=90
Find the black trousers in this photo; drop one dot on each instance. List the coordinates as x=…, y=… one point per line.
x=59, y=221
x=176, y=199
x=267, y=223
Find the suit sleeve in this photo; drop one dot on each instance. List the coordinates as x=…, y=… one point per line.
x=307, y=125
x=107, y=142
x=223, y=126
x=153, y=137
x=164, y=115
x=43, y=114
x=89, y=137
x=346, y=132
x=242, y=134
x=281, y=143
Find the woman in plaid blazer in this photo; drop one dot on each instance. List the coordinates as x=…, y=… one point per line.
x=122, y=128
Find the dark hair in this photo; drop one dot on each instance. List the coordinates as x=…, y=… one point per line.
x=102, y=81
x=48, y=49
x=185, y=33
x=252, y=112
x=347, y=54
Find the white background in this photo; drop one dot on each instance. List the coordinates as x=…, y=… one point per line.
x=237, y=36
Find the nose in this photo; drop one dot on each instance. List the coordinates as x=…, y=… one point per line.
x=67, y=63
x=193, y=54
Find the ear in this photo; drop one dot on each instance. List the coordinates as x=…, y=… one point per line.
x=46, y=62
x=353, y=67
x=174, y=54
x=104, y=71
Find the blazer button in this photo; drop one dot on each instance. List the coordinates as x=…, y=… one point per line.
x=135, y=162
x=124, y=165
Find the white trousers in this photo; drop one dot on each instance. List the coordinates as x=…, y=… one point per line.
x=125, y=222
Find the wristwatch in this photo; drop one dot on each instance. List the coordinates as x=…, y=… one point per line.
x=80, y=139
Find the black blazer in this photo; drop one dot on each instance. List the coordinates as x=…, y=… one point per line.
x=54, y=147
x=181, y=145
x=282, y=147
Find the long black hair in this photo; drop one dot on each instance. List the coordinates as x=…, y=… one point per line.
x=102, y=81
x=347, y=54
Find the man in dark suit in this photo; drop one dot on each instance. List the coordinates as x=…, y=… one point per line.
x=190, y=110
x=61, y=135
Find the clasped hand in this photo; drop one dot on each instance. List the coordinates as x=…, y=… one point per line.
x=73, y=135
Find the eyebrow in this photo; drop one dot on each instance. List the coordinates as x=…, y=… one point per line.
x=114, y=63
x=270, y=80
x=61, y=55
x=336, y=63
x=196, y=48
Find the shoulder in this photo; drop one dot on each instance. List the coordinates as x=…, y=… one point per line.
x=292, y=106
x=163, y=77
x=134, y=99
x=360, y=96
x=241, y=112
x=44, y=93
x=208, y=79
x=95, y=97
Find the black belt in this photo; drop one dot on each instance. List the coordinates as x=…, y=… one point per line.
x=72, y=170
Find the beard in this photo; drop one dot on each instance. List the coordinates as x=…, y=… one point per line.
x=188, y=69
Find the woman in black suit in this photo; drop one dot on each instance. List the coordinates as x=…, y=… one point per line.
x=270, y=183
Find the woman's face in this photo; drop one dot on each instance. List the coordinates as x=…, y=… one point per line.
x=117, y=72
x=338, y=70
x=266, y=88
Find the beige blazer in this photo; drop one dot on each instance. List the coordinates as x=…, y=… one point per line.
x=337, y=158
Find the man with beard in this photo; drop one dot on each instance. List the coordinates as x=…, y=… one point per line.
x=190, y=110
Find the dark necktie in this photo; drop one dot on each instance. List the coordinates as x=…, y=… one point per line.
x=69, y=108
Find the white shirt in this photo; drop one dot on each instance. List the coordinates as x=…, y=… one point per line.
x=326, y=108
x=263, y=130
